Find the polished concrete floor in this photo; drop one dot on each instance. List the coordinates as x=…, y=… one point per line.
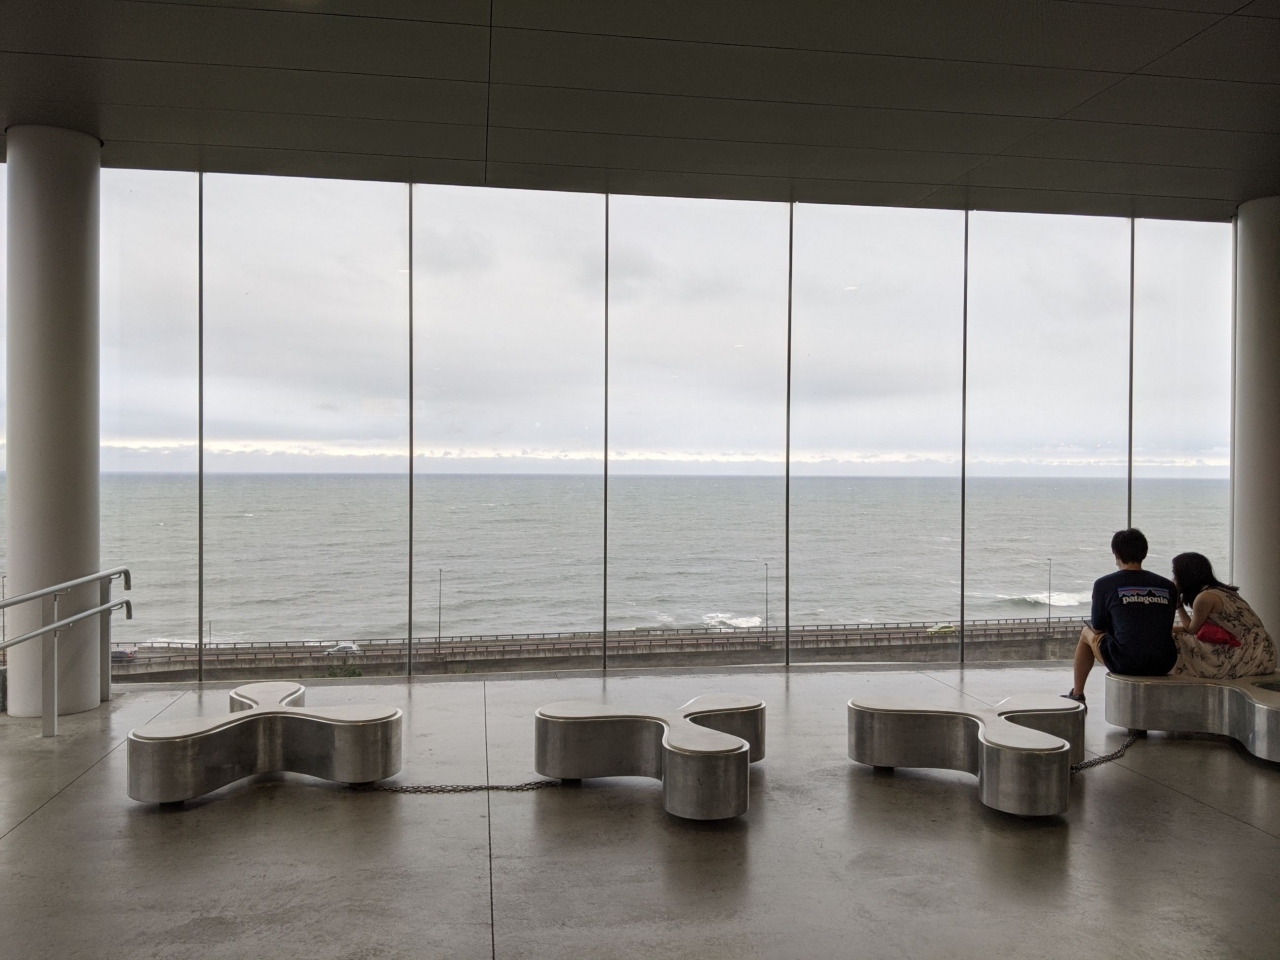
x=1172, y=851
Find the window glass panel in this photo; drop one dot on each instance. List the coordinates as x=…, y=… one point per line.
x=697, y=419
x=1182, y=389
x=150, y=414
x=306, y=418
x=509, y=398
x=4, y=339
x=877, y=335
x=1047, y=422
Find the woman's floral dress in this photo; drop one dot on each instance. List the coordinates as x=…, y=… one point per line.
x=1255, y=656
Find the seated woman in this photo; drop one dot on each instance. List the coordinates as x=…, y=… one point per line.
x=1222, y=638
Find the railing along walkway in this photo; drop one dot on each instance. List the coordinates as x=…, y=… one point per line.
x=52, y=625
x=658, y=639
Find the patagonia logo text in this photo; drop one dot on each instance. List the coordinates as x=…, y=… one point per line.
x=1145, y=595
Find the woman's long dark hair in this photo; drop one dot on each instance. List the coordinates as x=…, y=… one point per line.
x=1193, y=572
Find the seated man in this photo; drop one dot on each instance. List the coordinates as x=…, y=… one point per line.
x=1131, y=629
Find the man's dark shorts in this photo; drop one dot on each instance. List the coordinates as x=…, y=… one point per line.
x=1116, y=663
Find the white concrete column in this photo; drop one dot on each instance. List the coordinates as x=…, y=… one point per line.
x=1257, y=401
x=52, y=396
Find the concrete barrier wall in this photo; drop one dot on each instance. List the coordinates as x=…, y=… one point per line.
x=1058, y=645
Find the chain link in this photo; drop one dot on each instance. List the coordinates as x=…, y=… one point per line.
x=456, y=787
x=1107, y=758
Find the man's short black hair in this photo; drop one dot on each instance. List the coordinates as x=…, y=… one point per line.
x=1129, y=545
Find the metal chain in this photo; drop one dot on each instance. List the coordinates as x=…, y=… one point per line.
x=529, y=785
x=1107, y=758
x=456, y=787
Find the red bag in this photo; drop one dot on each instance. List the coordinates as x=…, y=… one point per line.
x=1212, y=633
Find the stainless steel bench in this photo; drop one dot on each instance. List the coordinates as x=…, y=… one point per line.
x=1247, y=709
x=1021, y=749
x=268, y=730
x=701, y=752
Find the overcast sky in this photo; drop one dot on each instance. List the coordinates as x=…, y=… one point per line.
x=307, y=334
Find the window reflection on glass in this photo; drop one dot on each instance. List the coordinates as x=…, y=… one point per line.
x=306, y=411
x=150, y=404
x=1047, y=414
x=697, y=414
x=1182, y=389
x=509, y=397
x=877, y=335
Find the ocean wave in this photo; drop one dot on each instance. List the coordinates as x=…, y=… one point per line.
x=728, y=620
x=1059, y=598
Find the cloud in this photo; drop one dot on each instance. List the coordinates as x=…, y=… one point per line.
x=307, y=333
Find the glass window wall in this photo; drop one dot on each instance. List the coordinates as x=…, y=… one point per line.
x=4, y=339
x=509, y=419
x=150, y=414
x=306, y=422
x=697, y=428
x=1182, y=389
x=309, y=343
x=877, y=335
x=1048, y=425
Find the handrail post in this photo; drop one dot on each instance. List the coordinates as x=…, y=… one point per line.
x=104, y=642
x=49, y=669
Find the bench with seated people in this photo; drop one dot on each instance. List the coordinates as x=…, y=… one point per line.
x=1224, y=680
x=1246, y=708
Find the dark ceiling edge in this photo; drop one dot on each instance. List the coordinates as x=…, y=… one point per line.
x=253, y=161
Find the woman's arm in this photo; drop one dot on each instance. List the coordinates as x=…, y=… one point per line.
x=1208, y=603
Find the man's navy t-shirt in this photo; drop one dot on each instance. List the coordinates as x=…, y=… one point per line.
x=1135, y=609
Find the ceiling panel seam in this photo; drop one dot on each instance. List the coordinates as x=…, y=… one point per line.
x=1143, y=72
x=278, y=149
x=869, y=148
x=1238, y=12
x=239, y=66
x=834, y=52
x=921, y=111
x=331, y=14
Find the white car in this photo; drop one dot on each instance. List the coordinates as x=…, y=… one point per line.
x=343, y=649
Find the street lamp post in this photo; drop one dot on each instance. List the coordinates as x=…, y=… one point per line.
x=766, y=598
x=1048, y=616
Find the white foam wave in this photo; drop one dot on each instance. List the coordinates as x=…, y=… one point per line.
x=1059, y=598
x=729, y=620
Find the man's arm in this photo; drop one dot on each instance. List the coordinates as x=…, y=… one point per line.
x=1099, y=616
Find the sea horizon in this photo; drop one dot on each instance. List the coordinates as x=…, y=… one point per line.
x=326, y=556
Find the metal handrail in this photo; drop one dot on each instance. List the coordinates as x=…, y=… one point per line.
x=69, y=621
x=52, y=625
x=69, y=585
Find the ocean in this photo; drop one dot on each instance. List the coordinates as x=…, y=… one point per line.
x=326, y=557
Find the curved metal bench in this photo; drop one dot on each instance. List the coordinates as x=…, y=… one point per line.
x=701, y=752
x=1247, y=709
x=1021, y=749
x=268, y=730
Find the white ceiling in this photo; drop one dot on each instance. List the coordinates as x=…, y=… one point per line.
x=1166, y=108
